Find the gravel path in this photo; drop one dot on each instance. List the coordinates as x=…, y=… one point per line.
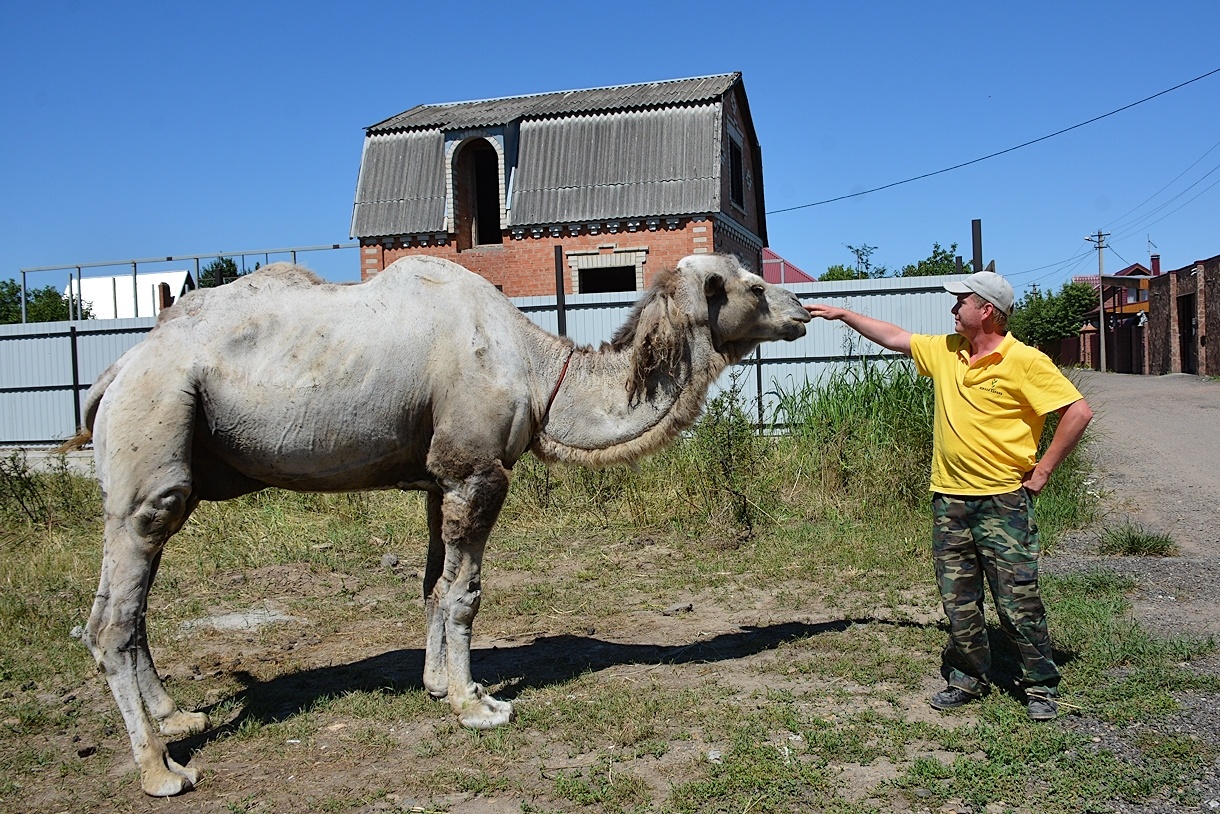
x=1157, y=451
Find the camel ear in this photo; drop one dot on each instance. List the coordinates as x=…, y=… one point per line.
x=713, y=284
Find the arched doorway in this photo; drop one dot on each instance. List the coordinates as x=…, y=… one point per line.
x=476, y=195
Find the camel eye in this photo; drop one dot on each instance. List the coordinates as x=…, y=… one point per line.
x=758, y=289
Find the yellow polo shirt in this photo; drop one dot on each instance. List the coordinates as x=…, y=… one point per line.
x=989, y=415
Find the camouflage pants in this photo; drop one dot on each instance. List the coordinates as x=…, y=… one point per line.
x=993, y=536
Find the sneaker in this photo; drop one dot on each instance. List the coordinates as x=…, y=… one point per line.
x=1042, y=708
x=951, y=698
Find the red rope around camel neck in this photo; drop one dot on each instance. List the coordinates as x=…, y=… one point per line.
x=555, y=392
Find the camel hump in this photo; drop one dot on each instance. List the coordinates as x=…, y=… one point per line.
x=425, y=270
x=288, y=273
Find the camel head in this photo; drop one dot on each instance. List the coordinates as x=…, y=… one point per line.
x=743, y=309
x=712, y=293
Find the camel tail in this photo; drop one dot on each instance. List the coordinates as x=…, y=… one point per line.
x=92, y=400
x=75, y=442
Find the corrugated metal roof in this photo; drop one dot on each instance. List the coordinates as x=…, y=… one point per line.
x=402, y=185
x=654, y=162
x=492, y=112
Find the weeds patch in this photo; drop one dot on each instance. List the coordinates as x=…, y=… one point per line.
x=1130, y=540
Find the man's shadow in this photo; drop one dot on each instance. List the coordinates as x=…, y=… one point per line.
x=1006, y=662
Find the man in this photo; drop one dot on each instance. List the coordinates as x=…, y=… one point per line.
x=993, y=394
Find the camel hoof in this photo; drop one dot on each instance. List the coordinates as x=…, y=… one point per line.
x=166, y=783
x=189, y=772
x=486, y=713
x=185, y=723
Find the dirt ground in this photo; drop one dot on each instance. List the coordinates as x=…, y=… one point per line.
x=1156, y=446
x=1157, y=451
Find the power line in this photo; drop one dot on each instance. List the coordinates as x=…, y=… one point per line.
x=1135, y=208
x=994, y=155
x=1114, y=252
x=1184, y=204
x=1141, y=223
x=1138, y=223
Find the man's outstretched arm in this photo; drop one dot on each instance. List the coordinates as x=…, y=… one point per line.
x=885, y=334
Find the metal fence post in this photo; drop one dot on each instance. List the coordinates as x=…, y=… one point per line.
x=560, y=303
x=758, y=393
x=75, y=377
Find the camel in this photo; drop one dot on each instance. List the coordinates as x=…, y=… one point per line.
x=424, y=377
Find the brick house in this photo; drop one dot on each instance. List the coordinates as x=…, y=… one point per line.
x=1185, y=310
x=625, y=179
x=1126, y=310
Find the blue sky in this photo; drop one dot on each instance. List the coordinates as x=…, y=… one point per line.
x=142, y=129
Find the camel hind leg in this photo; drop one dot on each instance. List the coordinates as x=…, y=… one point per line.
x=148, y=496
x=157, y=701
x=160, y=705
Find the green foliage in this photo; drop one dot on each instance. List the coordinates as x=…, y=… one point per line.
x=220, y=271
x=47, y=498
x=1042, y=319
x=44, y=304
x=727, y=450
x=864, y=263
x=941, y=261
x=839, y=272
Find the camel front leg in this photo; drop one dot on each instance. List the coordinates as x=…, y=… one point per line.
x=436, y=669
x=469, y=509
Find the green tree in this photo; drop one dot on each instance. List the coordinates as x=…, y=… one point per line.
x=839, y=272
x=941, y=261
x=44, y=304
x=1043, y=319
x=864, y=265
x=220, y=271
x=862, y=270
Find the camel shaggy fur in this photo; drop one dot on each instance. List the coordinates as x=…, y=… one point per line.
x=424, y=377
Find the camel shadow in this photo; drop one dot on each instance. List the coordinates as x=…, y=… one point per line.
x=543, y=662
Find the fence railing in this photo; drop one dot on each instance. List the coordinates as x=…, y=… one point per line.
x=46, y=368
x=75, y=271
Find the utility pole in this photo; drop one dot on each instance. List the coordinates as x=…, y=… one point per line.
x=1099, y=241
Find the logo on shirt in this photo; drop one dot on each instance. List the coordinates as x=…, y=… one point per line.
x=992, y=387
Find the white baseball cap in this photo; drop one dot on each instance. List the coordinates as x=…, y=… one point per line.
x=988, y=285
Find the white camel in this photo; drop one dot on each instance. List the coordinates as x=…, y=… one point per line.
x=424, y=377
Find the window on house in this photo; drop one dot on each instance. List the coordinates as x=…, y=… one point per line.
x=476, y=195
x=611, y=278
x=737, y=177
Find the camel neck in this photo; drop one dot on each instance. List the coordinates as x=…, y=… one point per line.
x=595, y=420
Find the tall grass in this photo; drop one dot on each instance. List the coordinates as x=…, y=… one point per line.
x=52, y=497
x=869, y=428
